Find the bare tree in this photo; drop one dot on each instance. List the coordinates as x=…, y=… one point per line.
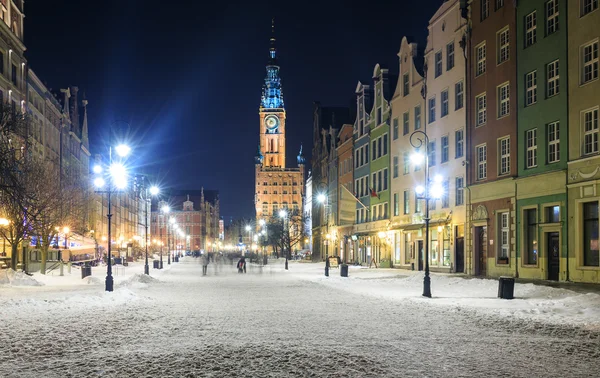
x=286, y=233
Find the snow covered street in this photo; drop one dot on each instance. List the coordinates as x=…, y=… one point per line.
x=297, y=323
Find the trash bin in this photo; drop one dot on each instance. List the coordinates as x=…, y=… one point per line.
x=176, y=258
x=117, y=260
x=86, y=271
x=344, y=270
x=506, y=287
x=155, y=264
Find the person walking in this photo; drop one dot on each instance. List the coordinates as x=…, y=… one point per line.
x=241, y=265
x=204, y=261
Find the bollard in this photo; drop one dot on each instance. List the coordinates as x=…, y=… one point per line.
x=69, y=267
x=62, y=273
x=327, y=267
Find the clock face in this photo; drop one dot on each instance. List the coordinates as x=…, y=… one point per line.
x=271, y=122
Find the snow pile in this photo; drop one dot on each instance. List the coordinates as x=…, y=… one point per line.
x=532, y=302
x=10, y=277
x=91, y=280
x=139, y=280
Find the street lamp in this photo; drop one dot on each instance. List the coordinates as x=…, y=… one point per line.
x=428, y=192
x=66, y=231
x=164, y=210
x=145, y=194
x=285, y=234
x=171, y=222
x=263, y=232
x=116, y=179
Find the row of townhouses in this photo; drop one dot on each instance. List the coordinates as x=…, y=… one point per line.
x=508, y=96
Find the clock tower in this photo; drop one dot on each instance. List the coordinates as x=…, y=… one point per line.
x=277, y=187
x=272, y=113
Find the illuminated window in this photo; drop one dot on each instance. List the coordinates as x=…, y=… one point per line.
x=590, y=129
x=503, y=100
x=531, y=152
x=503, y=237
x=553, y=142
x=480, y=54
x=503, y=43
x=590, y=62
x=551, y=16
x=481, y=162
x=530, y=29
x=504, y=150
x=590, y=234
x=531, y=88
x=553, y=79
x=481, y=104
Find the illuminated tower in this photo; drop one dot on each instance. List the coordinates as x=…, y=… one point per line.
x=277, y=187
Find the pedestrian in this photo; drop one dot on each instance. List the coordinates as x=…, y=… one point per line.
x=241, y=265
x=204, y=261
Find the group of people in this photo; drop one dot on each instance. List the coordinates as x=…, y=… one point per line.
x=205, y=259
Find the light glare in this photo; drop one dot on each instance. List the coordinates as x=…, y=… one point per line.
x=419, y=189
x=97, y=169
x=154, y=190
x=122, y=150
x=417, y=158
x=99, y=182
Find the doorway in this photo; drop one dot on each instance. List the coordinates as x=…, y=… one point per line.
x=553, y=253
x=480, y=243
x=420, y=249
x=460, y=255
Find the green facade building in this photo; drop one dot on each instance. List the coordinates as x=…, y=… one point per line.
x=541, y=227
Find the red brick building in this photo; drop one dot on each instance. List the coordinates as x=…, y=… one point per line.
x=196, y=212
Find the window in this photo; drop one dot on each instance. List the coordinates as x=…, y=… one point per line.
x=417, y=117
x=460, y=191
x=481, y=104
x=374, y=150
x=417, y=204
x=590, y=129
x=444, y=103
x=459, y=90
x=590, y=234
x=395, y=129
x=265, y=208
x=531, y=245
x=405, y=123
x=590, y=62
x=356, y=158
x=503, y=46
x=553, y=142
x=459, y=141
x=499, y=4
x=480, y=54
x=530, y=29
x=13, y=77
x=396, y=205
x=379, y=118
x=385, y=144
x=434, y=246
x=531, y=153
x=405, y=84
x=504, y=156
x=431, y=110
x=481, y=162
x=504, y=225
x=446, y=194
x=445, y=149
x=438, y=63
x=503, y=100
x=551, y=16
x=406, y=202
x=431, y=153
x=485, y=9
x=406, y=159
x=386, y=179
x=552, y=85
x=552, y=214
x=588, y=6
x=395, y=167
x=531, y=88
x=450, y=56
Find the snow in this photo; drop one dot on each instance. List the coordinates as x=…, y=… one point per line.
x=276, y=323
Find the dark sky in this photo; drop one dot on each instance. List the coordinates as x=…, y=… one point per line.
x=187, y=75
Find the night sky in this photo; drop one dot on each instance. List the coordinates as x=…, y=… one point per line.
x=187, y=75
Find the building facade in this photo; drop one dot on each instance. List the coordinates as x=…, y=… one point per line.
x=372, y=179
x=492, y=138
x=583, y=37
x=407, y=117
x=346, y=207
x=326, y=123
x=277, y=187
x=196, y=212
x=541, y=234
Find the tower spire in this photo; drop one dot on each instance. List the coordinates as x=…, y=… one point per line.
x=272, y=50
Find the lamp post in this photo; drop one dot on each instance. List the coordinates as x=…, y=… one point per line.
x=285, y=234
x=116, y=180
x=144, y=194
x=428, y=192
x=264, y=231
x=66, y=231
x=171, y=222
x=164, y=210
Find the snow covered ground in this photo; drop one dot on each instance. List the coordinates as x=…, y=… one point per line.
x=297, y=323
